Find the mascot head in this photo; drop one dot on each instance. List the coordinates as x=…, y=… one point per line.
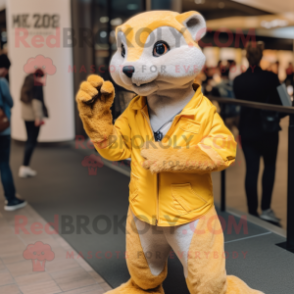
x=158, y=50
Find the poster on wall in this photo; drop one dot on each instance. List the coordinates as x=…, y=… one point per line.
x=38, y=38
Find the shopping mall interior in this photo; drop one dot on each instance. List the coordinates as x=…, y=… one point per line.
x=64, y=228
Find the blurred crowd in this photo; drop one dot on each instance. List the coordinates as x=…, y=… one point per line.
x=257, y=130
x=218, y=81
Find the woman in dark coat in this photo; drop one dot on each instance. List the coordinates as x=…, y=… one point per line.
x=257, y=85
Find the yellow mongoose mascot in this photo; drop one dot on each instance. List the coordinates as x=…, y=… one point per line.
x=175, y=139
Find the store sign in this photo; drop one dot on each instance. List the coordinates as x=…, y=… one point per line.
x=35, y=40
x=36, y=20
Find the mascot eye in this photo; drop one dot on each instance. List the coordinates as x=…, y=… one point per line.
x=160, y=48
x=123, y=51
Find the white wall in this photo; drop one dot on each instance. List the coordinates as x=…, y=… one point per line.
x=2, y=4
x=58, y=90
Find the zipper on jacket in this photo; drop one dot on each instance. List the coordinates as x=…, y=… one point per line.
x=157, y=175
x=157, y=208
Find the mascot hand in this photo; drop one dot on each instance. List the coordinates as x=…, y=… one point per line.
x=163, y=158
x=94, y=100
x=154, y=155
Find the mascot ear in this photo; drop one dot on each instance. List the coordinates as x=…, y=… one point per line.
x=194, y=22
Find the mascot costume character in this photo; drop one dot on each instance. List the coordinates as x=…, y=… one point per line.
x=175, y=139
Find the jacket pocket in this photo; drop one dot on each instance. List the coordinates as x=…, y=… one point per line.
x=186, y=199
x=134, y=187
x=189, y=125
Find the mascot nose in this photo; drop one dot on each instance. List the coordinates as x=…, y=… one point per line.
x=128, y=70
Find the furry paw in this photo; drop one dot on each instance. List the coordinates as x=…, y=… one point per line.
x=94, y=100
x=156, y=156
x=95, y=89
x=163, y=158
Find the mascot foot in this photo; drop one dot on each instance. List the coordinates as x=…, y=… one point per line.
x=237, y=286
x=131, y=288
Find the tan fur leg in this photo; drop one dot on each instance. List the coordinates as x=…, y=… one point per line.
x=136, y=261
x=142, y=281
x=206, y=262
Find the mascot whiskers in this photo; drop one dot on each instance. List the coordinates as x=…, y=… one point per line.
x=175, y=139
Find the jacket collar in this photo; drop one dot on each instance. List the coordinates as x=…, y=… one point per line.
x=190, y=109
x=252, y=69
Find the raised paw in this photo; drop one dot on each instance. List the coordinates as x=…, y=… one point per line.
x=107, y=88
x=94, y=100
x=95, y=80
x=95, y=88
x=87, y=93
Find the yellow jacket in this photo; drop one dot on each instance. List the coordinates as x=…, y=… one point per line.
x=171, y=198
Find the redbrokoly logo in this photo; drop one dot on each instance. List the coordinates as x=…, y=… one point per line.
x=40, y=62
x=39, y=253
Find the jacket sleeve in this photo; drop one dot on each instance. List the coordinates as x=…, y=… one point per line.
x=6, y=97
x=37, y=109
x=218, y=142
x=118, y=146
x=273, y=94
x=236, y=89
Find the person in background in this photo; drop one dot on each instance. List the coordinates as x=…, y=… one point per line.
x=235, y=70
x=290, y=69
x=274, y=67
x=257, y=85
x=6, y=103
x=289, y=75
x=224, y=89
x=277, y=67
x=33, y=111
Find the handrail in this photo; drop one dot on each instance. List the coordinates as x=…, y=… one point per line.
x=289, y=244
x=258, y=105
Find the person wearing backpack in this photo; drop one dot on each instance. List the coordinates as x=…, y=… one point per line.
x=6, y=103
x=33, y=111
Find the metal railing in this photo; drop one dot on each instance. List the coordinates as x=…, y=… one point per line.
x=289, y=245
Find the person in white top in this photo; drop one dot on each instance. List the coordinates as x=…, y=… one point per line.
x=33, y=111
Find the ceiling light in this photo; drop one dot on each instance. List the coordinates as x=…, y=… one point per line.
x=199, y=1
x=274, y=23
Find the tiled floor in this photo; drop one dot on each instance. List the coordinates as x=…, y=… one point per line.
x=66, y=273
